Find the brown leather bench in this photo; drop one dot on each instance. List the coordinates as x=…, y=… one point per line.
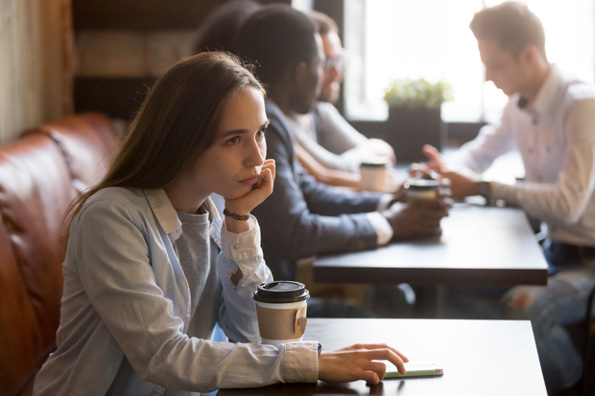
x=40, y=174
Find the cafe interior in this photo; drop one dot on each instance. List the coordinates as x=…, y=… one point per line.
x=74, y=73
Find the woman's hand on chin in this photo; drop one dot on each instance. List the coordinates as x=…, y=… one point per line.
x=260, y=191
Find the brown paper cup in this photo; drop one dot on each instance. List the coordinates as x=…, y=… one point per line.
x=281, y=323
x=422, y=190
x=281, y=311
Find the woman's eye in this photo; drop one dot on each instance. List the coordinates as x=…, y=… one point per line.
x=234, y=140
x=261, y=132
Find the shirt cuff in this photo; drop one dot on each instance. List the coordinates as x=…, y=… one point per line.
x=301, y=361
x=243, y=246
x=384, y=231
x=384, y=201
x=505, y=192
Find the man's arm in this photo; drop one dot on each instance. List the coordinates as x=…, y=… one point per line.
x=491, y=142
x=565, y=200
x=337, y=136
x=464, y=167
x=334, y=132
x=300, y=218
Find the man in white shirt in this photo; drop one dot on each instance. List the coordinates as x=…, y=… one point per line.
x=550, y=120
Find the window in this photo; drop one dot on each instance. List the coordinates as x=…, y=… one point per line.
x=387, y=39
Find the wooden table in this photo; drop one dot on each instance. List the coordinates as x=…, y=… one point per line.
x=479, y=357
x=479, y=246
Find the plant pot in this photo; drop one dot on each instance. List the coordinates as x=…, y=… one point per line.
x=409, y=129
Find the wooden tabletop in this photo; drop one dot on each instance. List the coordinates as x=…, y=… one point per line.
x=479, y=246
x=479, y=357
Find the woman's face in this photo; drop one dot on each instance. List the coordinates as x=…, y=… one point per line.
x=231, y=165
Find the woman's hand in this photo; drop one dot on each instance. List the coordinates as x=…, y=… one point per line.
x=359, y=362
x=247, y=202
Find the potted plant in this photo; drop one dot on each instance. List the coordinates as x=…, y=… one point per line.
x=415, y=116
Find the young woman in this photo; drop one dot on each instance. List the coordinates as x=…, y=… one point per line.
x=150, y=267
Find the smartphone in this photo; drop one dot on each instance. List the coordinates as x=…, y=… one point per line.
x=416, y=368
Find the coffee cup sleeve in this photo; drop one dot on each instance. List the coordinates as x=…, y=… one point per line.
x=299, y=325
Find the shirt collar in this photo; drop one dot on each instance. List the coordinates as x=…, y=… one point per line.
x=164, y=211
x=212, y=209
x=547, y=93
x=166, y=214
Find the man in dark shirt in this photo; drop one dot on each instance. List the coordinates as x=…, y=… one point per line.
x=303, y=218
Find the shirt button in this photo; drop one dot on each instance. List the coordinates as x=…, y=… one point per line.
x=236, y=246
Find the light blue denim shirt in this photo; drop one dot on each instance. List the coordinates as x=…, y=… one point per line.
x=126, y=303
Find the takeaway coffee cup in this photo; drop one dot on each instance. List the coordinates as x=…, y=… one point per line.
x=281, y=311
x=422, y=190
x=373, y=174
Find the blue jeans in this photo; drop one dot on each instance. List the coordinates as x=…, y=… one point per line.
x=563, y=302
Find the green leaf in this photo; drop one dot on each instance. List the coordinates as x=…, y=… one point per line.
x=416, y=93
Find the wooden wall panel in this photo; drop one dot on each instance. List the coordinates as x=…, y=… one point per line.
x=121, y=97
x=145, y=15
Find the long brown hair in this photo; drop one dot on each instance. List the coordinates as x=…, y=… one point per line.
x=177, y=121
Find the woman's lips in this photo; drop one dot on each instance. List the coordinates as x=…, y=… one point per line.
x=250, y=181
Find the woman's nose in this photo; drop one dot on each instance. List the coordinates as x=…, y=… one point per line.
x=256, y=153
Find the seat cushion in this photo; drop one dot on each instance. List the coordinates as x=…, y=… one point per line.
x=35, y=192
x=20, y=335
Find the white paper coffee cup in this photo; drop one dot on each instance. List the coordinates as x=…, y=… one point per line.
x=281, y=309
x=373, y=175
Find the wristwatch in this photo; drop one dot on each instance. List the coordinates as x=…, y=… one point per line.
x=485, y=189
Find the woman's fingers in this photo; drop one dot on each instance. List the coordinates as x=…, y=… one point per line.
x=371, y=377
x=270, y=164
x=259, y=192
x=375, y=352
x=377, y=367
x=267, y=176
x=359, y=362
x=390, y=354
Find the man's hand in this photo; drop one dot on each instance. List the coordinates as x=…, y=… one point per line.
x=436, y=163
x=463, y=182
x=416, y=220
x=359, y=362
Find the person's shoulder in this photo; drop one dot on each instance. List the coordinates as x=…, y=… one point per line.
x=576, y=89
x=127, y=194
x=273, y=111
x=279, y=123
x=112, y=198
x=326, y=109
x=581, y=90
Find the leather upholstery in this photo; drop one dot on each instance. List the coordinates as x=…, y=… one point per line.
x=40, y=174
x=87, y=143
